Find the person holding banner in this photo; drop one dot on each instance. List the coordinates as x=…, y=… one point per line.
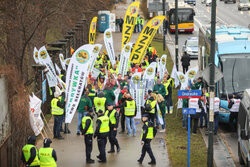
x=148, y=133
x=113, y=125
x=101, y=132
x=195, y=103
x=87, y=130
x=83, y=107
x=47, y=155
x=30, y=153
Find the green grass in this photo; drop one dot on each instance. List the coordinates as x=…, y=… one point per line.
x=176, y=136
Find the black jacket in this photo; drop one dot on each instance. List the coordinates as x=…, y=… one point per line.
x=145, y=131
x=185, y=60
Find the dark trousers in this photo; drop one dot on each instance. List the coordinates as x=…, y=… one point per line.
x=57, y=124
x=121, y=26
x=123, y=122
x=147, y=148
x=101, y=142
x=112, y=139
x=203, y=115
x=195, y=119
x=169, y=101
x=88, y=145
x=216, y=121
x=233, y=117
x=185, y=69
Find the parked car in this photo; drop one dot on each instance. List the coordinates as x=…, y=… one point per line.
x=244, y=129
x=244, y=4
x=191, y=47
x=190, y=2
x=226, y=1
x=208, y=2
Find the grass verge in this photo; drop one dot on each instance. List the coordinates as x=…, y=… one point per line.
x=176, y=136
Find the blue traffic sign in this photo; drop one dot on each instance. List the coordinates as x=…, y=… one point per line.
x=188, y=111
x=185, y=94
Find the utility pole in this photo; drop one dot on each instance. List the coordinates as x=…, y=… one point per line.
x=164, y=25
x=176, y=34
x=212, y=86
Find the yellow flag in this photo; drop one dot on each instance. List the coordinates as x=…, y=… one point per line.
x=129, y=22
x=145, y=38
x=92, y=30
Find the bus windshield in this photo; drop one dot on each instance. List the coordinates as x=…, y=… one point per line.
x=235, y=69
x=184, y=16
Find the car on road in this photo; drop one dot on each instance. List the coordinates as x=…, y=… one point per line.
x=226, y=1
x=244, y=129
x=208, y=2
x=191, y=47
x=244, y=4
x=190, y=2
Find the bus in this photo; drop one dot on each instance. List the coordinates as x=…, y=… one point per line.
x=185, y=17
x=232, y=57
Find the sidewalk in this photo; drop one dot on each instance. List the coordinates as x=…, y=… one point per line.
x=71, y=150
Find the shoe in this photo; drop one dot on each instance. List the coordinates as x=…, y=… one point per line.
x=118, y=149
x=91, y=161
x=111, y=151
x=140, y=161
x=194, y=133
x=134, y=135
x=163, y=130
x=129, y=134
x=152, y=163
x=54, y=137
x=61, y=130
x=78, y=133
x=157, y=127
x=98, y=156
x=102, y=161
x=60, y=138
x=215, y=133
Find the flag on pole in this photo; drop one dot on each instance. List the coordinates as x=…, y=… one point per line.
x=108, y=40
x=61, y=58
x=92, y=31
x=174, y=75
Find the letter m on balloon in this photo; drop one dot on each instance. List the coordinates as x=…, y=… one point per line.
x=92, y=37
x=148, y=30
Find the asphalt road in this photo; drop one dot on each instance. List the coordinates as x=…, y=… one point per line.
x=227, y=14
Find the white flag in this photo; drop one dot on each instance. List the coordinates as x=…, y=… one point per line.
x=61, y=58
x=45, y=59
x=108, y=40
x=124, y=59
x=67, y=61
x=96, y=50
x=183, y=80
x=162, y=66
x=174, y=75
x=191, y=73
x=75, y=79
x=36, y=121
x=35, y=55
x=135, y=91
x=58, y=70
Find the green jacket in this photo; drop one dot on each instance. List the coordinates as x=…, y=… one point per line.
x=197, y=85
x=84, y=105
x=161, y=89
x=185, y=103
x=110, y=96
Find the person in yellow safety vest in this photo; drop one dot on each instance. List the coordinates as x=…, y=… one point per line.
x=100, y=102
x=130, y=112
x=101, y=132
x=88, y=131
x=141, y=20
x=47, y=155
x=114, y=70
x=144, y=64
x=92, y=92
x=168, y=97
x=57, y=110
x=152, y=102
x=30, y=153
x=113, y=125
x=148, y=133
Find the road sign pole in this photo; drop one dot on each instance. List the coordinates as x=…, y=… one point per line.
x=212, y=86
x=176, y=35
x=164, y=24
x=188, y=139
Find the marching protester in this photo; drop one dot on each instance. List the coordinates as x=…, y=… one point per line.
x=185, y=60
x=30, y=153
x=47, y=155
x=57, y=110
x=148, y=133
x=152, y=102
x=113, y=125
x=195, y=103
x=100, y=102
x=88, y=130
x=102, y=132
x=121, y=100
x=83, y=107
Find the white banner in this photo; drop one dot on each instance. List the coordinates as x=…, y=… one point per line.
x=124, y=59
x=183, y=80
x=58, y=70
x=162, y=67
x=96, y=50
x=174, y=75
x=135, y=91
x=75, y=79
x=36, y=121
x=61, y=58
x=45, y=59
x=108, y=40
x=67, y=61
x=180, y=103
x=35, y=55
x=191, y=73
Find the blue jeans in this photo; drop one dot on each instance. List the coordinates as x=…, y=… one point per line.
x=216, y=121
x=57, y=123
x=79, y=120
x=203, y=115
x=184, y=121
x=130, y=120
